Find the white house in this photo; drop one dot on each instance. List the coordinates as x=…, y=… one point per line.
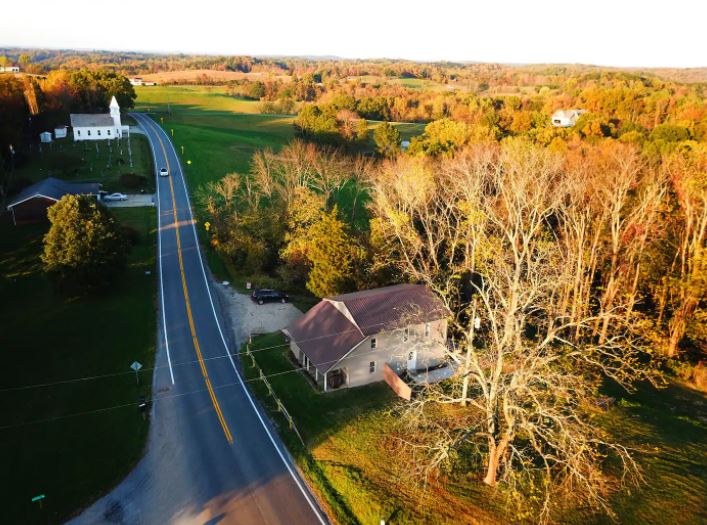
x=348, y=340
x=9, y=69
x=98, y=126
x=566, y=118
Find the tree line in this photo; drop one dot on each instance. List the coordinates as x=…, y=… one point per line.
x=559, y=269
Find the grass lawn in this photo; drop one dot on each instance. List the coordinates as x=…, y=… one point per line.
x=349, y=466
x=46, y=445
x=89, y=161
x=194, y=98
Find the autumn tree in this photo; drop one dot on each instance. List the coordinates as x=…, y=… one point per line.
x=482, y=231
x=387, y=139
x=84, y=247
x=332, y=254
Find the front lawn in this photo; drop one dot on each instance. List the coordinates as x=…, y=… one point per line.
x=71, y=441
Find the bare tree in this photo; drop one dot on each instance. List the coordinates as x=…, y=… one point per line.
x=485, y=231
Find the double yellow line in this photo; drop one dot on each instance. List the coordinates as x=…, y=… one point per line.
x=204, y=373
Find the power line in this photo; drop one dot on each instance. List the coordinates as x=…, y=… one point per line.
x=182, y=363
x=153, y=400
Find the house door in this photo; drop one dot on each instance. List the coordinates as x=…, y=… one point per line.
x=412, y=360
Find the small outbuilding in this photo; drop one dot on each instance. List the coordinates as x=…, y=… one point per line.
x=60, y=132
x=45, y=137
x=31, y=204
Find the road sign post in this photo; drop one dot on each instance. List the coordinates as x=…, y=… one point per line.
x=136, y=366
x=39, y=499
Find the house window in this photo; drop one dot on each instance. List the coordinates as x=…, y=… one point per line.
x=371, y=367
x=108, y=132
x=406, y=334
x=427, y=329
x=411, y=356
x=374, y=343
x=78, y=132
x=99, y=132
x=89, y=132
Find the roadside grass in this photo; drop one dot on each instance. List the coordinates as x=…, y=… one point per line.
x=87, y=161
x=66, y=440
x=348, y=460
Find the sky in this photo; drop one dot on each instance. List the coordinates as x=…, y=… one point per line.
x=603, y=32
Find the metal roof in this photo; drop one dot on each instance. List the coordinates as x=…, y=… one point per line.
x=330, y=330
x=391, y=307
x=90, y=120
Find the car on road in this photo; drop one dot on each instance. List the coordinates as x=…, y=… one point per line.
x=266, y=295
x=115, y=197
x=164, y=172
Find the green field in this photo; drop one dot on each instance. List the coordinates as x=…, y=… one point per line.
x=346, y=434
x=90, y=161
x=195, y=98
x=65, y=440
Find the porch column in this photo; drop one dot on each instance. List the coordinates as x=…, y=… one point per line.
x=316, y=374
x=325, y=382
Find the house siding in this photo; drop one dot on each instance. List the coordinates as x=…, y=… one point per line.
x=393, y=350
x=115, y=132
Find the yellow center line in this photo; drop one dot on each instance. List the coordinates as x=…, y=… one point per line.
x=204, y=373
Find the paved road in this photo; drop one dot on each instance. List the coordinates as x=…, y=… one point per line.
x=211, y=456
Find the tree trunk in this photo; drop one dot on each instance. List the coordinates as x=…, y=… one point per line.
x=496, y=452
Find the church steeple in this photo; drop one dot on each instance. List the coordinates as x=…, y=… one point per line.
x=115, y=112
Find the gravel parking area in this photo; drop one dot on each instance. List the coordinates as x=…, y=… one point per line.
x=248, y=317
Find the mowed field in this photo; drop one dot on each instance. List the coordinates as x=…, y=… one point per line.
x=193, y=75
x=219, y=132
x=70, y=439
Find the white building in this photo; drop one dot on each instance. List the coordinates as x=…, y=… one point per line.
x=9, y=69
x=98, y=126
x=566, y=118
x=60, y=132
x=45, y=137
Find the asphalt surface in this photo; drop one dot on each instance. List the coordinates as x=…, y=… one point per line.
x=212, y=457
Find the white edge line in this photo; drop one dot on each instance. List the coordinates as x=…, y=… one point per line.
x=296, y=479
x=159, y=250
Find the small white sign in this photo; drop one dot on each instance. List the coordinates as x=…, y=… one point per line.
x=136, y=366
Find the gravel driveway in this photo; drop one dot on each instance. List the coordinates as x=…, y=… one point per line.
x=247, y=317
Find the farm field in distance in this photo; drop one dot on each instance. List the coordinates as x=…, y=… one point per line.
x=219, y=132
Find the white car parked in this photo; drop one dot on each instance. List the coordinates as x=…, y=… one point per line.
x=115, y=197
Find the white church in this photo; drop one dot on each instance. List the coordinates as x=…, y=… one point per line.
x=98, y=126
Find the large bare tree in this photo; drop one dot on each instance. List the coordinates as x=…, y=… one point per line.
x=490, y=231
